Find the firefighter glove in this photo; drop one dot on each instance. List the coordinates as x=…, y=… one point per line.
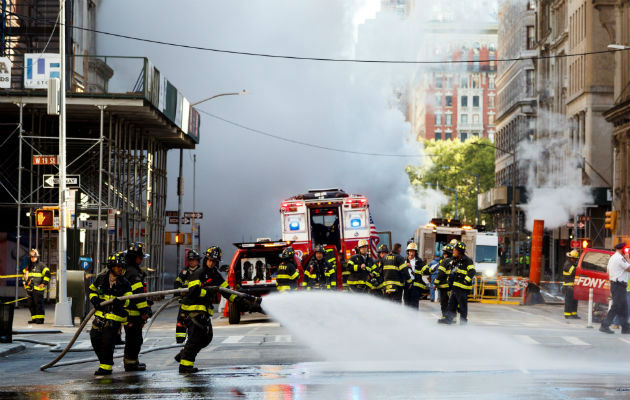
x=96, y=302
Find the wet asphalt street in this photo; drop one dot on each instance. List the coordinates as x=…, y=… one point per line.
x=260, y=359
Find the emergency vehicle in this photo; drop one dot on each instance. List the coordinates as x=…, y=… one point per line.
x=327, y=217
x=432, y=237
x=592, y=273
x=487, y=254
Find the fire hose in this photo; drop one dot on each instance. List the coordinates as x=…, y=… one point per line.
x=131, y=297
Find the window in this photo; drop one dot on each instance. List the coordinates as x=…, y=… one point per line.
x=438, y=119
x=475, y=134
x=464, y=101
x=490, y=119
x=530, y=82
x=475, y=81
x=463, y=136
x=447, y=136
x=490, y=101
x=464, y=82
x=475, y=101
x=438, y=99
x=531, y=37
x=491, y=82
x=449, y=101
x=448, y=119
x=438, y=135
x=449, y=83
x=531, y=4
x=595, y=261
x=464, y=119
x=475, y=119
x=438, y=82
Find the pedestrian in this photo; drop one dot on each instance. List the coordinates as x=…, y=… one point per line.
x=288, y=274
x=36, y=279
x=108, y=285
x=361, y=267
x=417, y=270
x=568, y=278
x=396, y=276
x=463, y=271
x=139, y=310
x=442, y=281
x=433, y=267
x=618, y=268
x=203, y=283
x=318, y=271
x=181, y=282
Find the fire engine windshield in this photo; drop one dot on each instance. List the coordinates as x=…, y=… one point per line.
x=325, y=226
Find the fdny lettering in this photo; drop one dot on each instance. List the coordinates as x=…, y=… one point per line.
x=596, y=283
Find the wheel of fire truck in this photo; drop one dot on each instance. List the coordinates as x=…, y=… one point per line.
x=234, y=315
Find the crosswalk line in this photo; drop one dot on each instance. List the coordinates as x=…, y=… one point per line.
x=624, y=340
x=284, y=338
x=575, y=341
x=526, y=339
x=232, y=339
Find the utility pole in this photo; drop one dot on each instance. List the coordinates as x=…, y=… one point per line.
x=180, y=195
x=63, y=313
x=194, y=210
x=514, y=231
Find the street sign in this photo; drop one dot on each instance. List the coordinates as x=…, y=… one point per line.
x=186, y=221
x=575, y=244
x=91, y=224
x=45, y=160
x=172, y=214
x=173, y=220
x=52, y=181
x=195, y=215
x=86, y=262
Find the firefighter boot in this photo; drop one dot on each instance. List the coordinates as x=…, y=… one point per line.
x=102, y=372
x=178, y=357
x=183, y=369
x=445, y=321
x=134, y=365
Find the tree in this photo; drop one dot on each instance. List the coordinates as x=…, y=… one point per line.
x=454, y=164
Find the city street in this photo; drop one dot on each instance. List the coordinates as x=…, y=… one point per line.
x=261, y=359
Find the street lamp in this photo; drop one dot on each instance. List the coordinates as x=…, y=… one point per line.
x=180, y=180
x=513, y=154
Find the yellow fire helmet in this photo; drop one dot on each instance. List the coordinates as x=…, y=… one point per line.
x=573, y=254
x=362, y=243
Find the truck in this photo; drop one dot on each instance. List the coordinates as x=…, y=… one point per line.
x=327, y=217
x=432, y=237
x=487, y=254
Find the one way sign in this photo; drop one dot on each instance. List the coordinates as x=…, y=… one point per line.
x=52, y=181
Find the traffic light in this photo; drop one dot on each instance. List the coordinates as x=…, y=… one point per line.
x=586, y=243
x=611, y=221
x=45, y=218
x=180, y=238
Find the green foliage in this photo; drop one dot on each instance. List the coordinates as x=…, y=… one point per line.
x=453, y=164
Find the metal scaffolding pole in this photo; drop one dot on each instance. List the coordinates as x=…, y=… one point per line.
x=100, y=190
x=180, y=195
x=19, y=198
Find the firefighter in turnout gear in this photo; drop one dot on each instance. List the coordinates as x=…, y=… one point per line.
x=139, y=310
x=181, y=282
x=383, y=251
x=395, y=276
x=568, y=277
x=441, y=282
x=288, y=274
x=317, y=273
x=361, y=267
x=36, y=279
x=463, y=271
x=108, y=285
x=329, y=255
x=418, y=270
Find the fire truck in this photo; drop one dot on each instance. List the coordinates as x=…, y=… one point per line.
x=432, y=237
x=328, y=217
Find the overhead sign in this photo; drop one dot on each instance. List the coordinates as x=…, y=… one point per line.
x=52, y=181
x=38, y=68
x=172, y=214
x=185, y=220
x=86, y=262
x=173, y=220
x=195, y=215
x=111, y=221
x=45, y=160
x=91, y=224
x=5, y=73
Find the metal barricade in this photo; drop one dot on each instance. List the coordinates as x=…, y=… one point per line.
x=501, y=290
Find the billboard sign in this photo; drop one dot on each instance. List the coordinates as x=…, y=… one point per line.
x=38, y=67
x=5, y=73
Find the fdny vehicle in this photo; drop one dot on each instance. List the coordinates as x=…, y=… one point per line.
x=327, y=217
x=592, y=273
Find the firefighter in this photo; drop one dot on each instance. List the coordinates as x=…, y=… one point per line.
x=382, y=252
x=417, y=270
x=181, y=282
x=361, y=266
x=568, y=276
x=288, y=274
x=108, y=285
x=332, y=272
x=36, y=279
x=442, y=280
x=395, y=276
x=139, y=310
x=317, y=273
x=463, y=272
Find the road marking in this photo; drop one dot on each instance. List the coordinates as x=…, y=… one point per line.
x=232, y=339
x=526, y=339
x=624, y=340
x=284, y=338
x=575, y=341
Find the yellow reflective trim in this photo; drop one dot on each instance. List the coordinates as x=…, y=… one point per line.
x=402, y=266
x=93, y=295
x=233, y=297
x=333, y=283
x=136, y=285
x=187, y=363
x=461, y=285
x=420, y=285
x=47, y=279
x=356, y=282
x=283, y=288
x=295, y=275
x=471, y=266
x=392, y=283
x=468, y=279
x=194, y=307
x=144, y=304
x=282, y=276
x=443, y=286
x=106, y=367
x=224, y=284
x=390, y=267
x=39, y=289
x=304, y=284
x=37, y=316
x=180, y=334
x=203, y=293
x=133, y=313
x=568, y=284
x=45, y=270
x=34, y=275
x=92, y=287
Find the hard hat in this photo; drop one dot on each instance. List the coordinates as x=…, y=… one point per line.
x=320, y=249
x=135, y=249
x=461, y=246
x=447, y=249
x=383, y=249
x=453, y=242
x=214, y=253
x=362, y=243
x=573, y=254
x=193, y=255
x=33, y=253
x=412, y=246
x=117, y=259
x=287, y=253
